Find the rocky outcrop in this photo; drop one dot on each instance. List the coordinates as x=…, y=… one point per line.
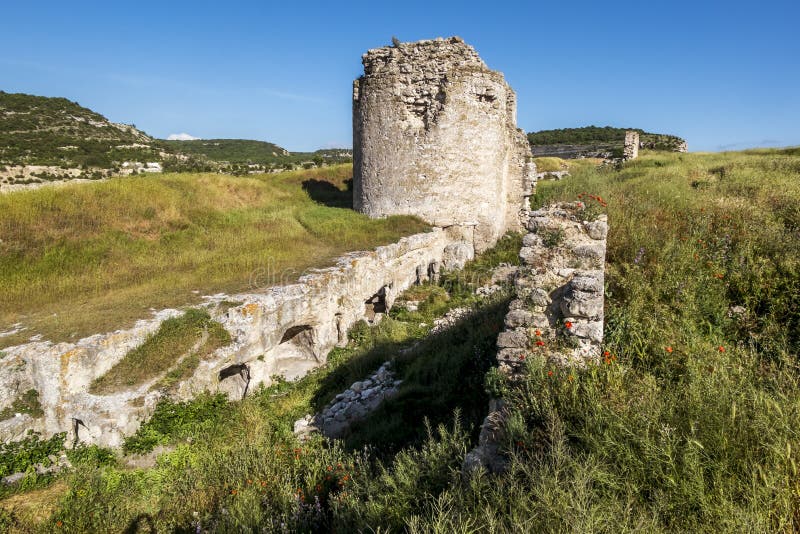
x=286, y=330
x=435, y=135
x=557, y=314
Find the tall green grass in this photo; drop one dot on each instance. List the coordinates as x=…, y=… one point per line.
x=89, y=258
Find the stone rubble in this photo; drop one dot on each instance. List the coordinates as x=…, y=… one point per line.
x=352, y=405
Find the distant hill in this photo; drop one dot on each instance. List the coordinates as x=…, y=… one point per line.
x=231, y=150
x=262, y=153
x=600, y=139
x=46, y=139
x=37, y=130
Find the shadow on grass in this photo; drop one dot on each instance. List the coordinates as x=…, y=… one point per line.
x=444, y=372
x=328, y=194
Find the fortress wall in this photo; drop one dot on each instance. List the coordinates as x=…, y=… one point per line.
x=286, y=330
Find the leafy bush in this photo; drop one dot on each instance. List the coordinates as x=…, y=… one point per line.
x=19, y=456
x=177, y=420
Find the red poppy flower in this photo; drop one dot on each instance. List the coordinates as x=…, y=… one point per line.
x=669, y=349
x=539, y=343
x=568, y=324
x=721, y=348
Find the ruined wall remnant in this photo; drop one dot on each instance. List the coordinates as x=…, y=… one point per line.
x=285, y=330
x=435, y=135
x=631, y=148
x=557, y=314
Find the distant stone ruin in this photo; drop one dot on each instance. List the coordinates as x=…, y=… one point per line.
x=630, y=149
x=435, y=135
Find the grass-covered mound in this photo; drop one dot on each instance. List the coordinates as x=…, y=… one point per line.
x=89, y=258
x=690, y=424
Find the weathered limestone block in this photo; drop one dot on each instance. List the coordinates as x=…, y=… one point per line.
x=457, y=255
x=435, y=135
x=516, y=338
x=597, y=229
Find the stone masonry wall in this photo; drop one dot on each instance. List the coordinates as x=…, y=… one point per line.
x=631, y=148
x=286, y=330
x=558, y=310
x=434, y=135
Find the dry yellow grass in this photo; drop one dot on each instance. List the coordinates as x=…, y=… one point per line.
x=90, y=258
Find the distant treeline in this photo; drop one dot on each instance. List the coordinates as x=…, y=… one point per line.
x=593, y=135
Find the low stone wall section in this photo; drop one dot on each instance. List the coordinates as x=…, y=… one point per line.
x=286, y=330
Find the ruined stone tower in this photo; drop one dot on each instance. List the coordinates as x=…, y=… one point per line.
x=630, y=149
x=435, y=135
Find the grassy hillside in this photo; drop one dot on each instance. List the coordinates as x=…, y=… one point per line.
x=594, y=135
x=240, y=155
x=231, y=150
x=90, y=258
x=691, y=427
x=63, y=140
x=36, y=130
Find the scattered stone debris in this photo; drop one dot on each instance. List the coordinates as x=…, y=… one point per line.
x=352, y=405
x=551, y=175
x=449, y=319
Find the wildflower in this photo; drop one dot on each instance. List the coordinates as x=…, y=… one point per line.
x=721, y=348
x=59, y=524
x=538, y=333
x=521, y=357
x=539, y=343
x=568, y=324
x=263, y=483
x=570, y=378
x=719, y=276
x=549, y=373
x=330, y=468
x=234, y=492
x=249, y=481
x=669, y=349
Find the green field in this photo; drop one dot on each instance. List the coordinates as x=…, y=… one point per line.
x=90, y=258
x=690, y=426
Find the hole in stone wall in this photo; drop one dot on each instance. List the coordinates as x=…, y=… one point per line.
x=375, y=306
x=291, y=333
x=235, y=380
x=296, y=353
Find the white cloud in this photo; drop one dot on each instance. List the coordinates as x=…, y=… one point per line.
x=181, y=137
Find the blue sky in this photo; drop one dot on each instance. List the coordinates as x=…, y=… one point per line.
x=723, y=75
